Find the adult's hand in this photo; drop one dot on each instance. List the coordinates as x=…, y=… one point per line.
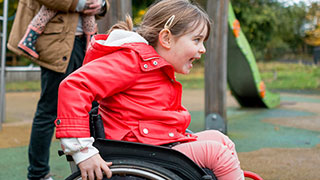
x=91, y=168
x=92, y=7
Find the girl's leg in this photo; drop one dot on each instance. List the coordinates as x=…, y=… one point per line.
x=35, y=28
x=219, y=137
x=89, y=27
x=215, y=151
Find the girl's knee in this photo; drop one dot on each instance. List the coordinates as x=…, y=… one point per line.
x=215, y=132
x=212, y=135
x=213, y=155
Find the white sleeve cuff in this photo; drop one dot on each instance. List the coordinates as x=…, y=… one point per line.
x=79, y=148
x=81, y=156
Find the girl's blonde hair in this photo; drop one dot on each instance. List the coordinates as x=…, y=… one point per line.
x=185, y=17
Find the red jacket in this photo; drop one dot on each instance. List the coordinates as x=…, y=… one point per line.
x=139, y=98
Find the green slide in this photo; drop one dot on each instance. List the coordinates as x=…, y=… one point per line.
x=242, y=72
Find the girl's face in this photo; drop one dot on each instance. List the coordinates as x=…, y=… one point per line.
x=186, y=49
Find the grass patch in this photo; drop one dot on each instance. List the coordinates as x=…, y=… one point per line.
x=23, y=86
x=287, y=76
x=277, y=76
x=194, y=80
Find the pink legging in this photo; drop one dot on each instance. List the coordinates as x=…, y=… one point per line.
x=215, y=151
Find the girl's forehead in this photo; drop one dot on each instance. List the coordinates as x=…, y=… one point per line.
x=198, y=28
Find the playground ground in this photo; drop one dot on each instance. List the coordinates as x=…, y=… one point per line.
x=278, y=144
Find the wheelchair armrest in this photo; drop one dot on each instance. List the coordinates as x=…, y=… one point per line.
x=69, y=157
x=60, y=153
x=96, y=124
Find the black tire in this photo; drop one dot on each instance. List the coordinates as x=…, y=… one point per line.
x=134, y=170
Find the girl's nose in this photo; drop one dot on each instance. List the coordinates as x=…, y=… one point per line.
x=202, y=49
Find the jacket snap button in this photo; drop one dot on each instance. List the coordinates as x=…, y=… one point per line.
x=155, y=63
x=58, y=121
x=145, y=66
x=171, y=134
x=145, y=131
x=64, y=58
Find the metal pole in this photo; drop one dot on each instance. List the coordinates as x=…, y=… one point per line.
x=117, y=11
x=3, y=62
x=215, y=65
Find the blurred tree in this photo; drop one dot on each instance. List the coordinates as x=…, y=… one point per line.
x=12, y=7
x=139, y=8
x=271, y=28
x=293, y=17
x=312, y=31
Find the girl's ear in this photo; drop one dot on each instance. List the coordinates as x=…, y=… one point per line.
x=165, y=38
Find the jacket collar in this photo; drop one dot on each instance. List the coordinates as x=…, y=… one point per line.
x=128, y=39
x=120, y=39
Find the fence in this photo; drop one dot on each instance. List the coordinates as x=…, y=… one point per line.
x=4, y=19
x=22, y=73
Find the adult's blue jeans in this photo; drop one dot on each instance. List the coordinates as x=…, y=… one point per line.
x=43, y=123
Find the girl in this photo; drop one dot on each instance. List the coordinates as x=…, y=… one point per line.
x=132, y=76
x=37, y=26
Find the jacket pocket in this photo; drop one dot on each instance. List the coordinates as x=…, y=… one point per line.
x=156, y=130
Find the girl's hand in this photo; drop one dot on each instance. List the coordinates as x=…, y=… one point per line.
x=91, y=168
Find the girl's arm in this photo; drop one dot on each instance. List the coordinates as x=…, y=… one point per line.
x=79, y=148
x=94, y=81
x=86, y=156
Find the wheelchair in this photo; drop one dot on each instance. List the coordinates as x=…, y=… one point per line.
x=137, y=161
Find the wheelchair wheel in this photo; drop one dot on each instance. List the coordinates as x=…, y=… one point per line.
x=134, y=170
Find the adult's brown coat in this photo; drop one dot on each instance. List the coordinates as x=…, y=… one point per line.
x=56, y=42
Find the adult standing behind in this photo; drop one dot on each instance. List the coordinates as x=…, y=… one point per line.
x=61, y=49
x=316, y=55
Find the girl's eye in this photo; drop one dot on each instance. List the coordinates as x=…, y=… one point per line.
x=197, y=40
